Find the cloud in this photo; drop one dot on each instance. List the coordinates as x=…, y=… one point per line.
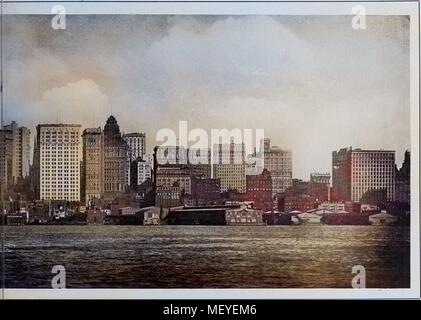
x=313, y=83
x=75, y=102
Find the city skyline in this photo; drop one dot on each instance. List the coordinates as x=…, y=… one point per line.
x=100, y=174
x=310, y=114
x=126, y=135
x=215, y=71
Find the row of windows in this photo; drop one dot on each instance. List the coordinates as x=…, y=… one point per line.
x=60, y=175
x=58, y=190
x=59, y=134
x=73, y=195
x=58, y=153
x=59, y=165
x=59, y=140
x=169, y=180
x=54, y=148
x=60, y=171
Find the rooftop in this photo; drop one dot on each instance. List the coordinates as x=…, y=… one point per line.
x=59, y=125
x=134, y=134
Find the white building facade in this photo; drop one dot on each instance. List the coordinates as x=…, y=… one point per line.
x=372, y=170
x=279, y=163
x=136, y=143
x=144, y=171
x=59, y=148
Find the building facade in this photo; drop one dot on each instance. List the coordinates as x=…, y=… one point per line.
x=136, y=143
x=316, y=177
x=92, y=169
x=200, y=162
x=332, y=206
x=244, y=216
x=58, y=152
x=229, y=166
x=115, y=161
x=169, y=175
x=403, y=180
x=140, y=172
x=6, y=159
x=15, y=153
x=301, y=202
x=205, y=192
x=279, y=163
x=167, y=197
x=356, y=172
x=259, y=190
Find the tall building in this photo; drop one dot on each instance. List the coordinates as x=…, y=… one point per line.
x=15, y=153
x=279, y=163
x=6, y=159
x=356, y=172
x=149, y=159
x=136, y=143
x=93, y=159
x=141, y=170
x=229, y=165
x=403, y=180
x=115, y=161
x=57, y=160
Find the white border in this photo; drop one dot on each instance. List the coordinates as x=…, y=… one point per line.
x=215, y=8
x=256, y=8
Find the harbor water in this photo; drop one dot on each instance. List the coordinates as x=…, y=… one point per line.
x=207, y=256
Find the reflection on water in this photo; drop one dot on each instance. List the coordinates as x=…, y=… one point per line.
x=207, y=257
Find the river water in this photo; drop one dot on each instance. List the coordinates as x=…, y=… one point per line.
x=207, y=256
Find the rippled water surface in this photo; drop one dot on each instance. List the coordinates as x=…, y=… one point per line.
x=206, y=257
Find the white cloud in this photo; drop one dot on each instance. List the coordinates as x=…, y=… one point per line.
x=313, y=83
x=76, y=102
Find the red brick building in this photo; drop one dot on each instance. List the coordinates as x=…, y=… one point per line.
x=301, y=202
x=259, y=190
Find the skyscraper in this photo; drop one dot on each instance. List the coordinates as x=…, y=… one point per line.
x=6, y=159
x=141, y=170
x=57, y=160
x=279, y=163
x=357, y=171
x=93, y=155
x=15, y=153
x=115, y=160
x=403, y=180
x=136, y=143
x=229, y=165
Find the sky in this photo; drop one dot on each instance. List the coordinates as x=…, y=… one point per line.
x=313, y=83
